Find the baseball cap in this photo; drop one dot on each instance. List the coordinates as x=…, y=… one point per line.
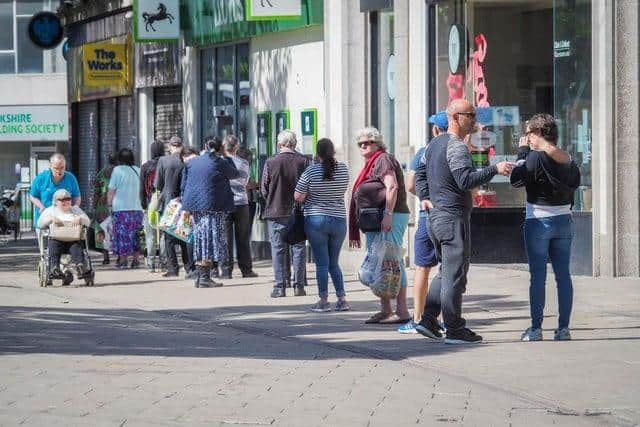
x=175, y=141
x=439, y=119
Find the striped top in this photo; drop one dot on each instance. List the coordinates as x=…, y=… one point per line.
x=324, y=197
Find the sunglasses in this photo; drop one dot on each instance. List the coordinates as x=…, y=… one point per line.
x=471, y=114
x=365, y=143
x=65, y=199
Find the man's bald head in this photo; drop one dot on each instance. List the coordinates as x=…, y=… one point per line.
x=462, y=117
x=459, y=106
x=57, y=158
x=58, y=166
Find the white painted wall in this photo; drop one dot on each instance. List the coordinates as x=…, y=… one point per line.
x=287, y=72
x=33, y=89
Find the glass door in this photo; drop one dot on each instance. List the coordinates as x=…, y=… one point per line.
x=226, y=91
x=572, y=87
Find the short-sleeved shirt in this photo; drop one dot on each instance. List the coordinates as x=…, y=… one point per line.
x=324, y=197
x=126, y=181
x=43, y=188
x=372, y=192
x=415, y=163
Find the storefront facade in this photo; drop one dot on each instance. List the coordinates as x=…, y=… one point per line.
x=33, y=108
x=512, y=60
x=253, y=79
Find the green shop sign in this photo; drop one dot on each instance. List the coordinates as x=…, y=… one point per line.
x=34, y=123
x=207, y=22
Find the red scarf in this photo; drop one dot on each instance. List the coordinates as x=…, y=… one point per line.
x=365, y=173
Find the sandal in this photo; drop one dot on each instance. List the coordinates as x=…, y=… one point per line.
x=376, y=318
x=393, y=319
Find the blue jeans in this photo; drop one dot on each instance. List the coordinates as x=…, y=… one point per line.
x=399, y=222
x=549, y=238
x=326, y=235
x=280, y=258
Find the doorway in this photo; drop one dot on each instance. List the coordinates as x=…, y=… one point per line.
x=226, y=91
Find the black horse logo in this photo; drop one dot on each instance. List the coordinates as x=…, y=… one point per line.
x=162, y=14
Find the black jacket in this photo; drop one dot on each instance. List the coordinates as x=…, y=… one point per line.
x=547, y=182
x=168, y=178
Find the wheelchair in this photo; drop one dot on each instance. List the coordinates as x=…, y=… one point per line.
x=45, y=276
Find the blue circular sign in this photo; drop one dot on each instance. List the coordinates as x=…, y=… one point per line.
x=45, y=30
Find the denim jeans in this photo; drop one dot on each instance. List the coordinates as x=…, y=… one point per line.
x=326, y=235
x=279, y=251
x=451, y=237
x=549, y=238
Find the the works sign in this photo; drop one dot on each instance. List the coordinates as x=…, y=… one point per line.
x=104, y=64
x=34, y=123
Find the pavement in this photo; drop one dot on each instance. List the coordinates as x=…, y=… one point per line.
x=139, y=350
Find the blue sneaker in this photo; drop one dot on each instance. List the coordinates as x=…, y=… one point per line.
x=408, y=328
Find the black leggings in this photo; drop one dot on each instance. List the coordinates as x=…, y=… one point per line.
x=57, y=248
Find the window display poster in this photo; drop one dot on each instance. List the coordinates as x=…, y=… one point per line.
x=263, y=133
x=282, y=121
x=309, y=122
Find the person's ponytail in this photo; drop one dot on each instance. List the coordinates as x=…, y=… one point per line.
x=326, y=153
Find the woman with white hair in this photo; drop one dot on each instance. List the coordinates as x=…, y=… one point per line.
x=63, y=212
x=380, y=184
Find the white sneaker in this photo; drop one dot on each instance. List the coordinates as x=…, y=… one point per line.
x=562, y=334
x=532, y=335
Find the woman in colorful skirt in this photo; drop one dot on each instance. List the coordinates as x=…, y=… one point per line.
x=101, y=209
x=124, y=198
x=207, y=195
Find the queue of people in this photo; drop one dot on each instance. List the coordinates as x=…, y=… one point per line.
x=213, y=187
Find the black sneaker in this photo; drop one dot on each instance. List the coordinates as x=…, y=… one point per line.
x=429, y=329
x=299, y=291
x=250, y=273
x=278, y=293
x=462, y=336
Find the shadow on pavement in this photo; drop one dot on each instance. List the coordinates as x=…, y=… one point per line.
x=215, y=332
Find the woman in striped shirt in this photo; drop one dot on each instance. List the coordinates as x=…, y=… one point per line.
x=322, y=187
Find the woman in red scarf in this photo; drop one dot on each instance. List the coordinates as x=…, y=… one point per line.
x=380, y=184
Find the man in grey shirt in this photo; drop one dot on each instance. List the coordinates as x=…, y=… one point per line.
x=445, y=179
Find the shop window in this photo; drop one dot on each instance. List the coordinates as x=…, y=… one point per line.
x=29, y=7
x=6, y=23
x=509, y=69
x=17, y=53
x=30, y=57
x=7, y=63
x=383, y=75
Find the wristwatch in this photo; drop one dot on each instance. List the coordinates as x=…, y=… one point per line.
x=386, y=212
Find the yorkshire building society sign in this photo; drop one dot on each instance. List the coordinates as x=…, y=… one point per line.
x=263, y=10
x=157, y=20
x=34, y=123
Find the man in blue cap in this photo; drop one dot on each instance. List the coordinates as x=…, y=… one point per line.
x=425, y=256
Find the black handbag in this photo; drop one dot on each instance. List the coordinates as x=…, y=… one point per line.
x=294, y=230
x=370, y=219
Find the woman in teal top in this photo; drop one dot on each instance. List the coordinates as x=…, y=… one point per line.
x=124, y=198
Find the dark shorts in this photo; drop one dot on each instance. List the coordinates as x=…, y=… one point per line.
x=425, y=255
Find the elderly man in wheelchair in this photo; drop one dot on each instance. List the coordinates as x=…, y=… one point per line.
x=63, y=226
